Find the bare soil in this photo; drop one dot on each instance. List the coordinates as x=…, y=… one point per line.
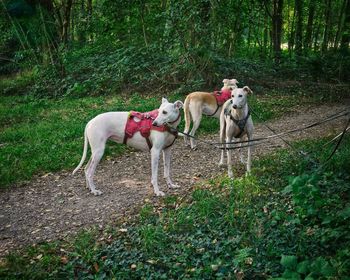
x=58, y=205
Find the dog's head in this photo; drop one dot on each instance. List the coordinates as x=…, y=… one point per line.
x=230, y=83
x=239, y=97
x=168, y=112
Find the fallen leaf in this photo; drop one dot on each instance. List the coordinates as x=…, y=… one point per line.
x=96, y=267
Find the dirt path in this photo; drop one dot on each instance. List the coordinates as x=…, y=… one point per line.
x=56, y=205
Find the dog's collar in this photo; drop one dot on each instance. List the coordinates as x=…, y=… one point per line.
x=178, y=117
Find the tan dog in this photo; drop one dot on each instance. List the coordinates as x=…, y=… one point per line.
x=198, y=103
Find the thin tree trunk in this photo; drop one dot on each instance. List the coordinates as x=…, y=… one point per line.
x=142, y=10
x=345, y=38
x=89, y=19
x=291, y=39
x=342, y=15
x=327, y=25
x=276, y=34
x=299, y=28
x=66, y=21
x=309, y=26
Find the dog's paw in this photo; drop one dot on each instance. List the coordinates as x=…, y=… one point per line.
x=96, y=192
x=160, y=193
x=222, y=164
x=173, y=186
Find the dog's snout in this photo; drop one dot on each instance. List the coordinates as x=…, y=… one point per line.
x=154, y=123
x=234, y=106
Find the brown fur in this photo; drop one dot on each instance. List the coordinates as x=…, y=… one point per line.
x=197, y=103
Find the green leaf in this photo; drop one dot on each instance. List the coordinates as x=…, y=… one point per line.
x=303, y=267
x=289, y=262
x=288, y=274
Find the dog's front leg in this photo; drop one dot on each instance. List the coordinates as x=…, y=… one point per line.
x=167, y=163
x=229, y=157
x=155, y=153
x=241, y=156
x=249, y=159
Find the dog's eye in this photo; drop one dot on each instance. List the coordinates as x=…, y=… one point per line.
x=240, y=95
x=165, y=112
x=232, y=96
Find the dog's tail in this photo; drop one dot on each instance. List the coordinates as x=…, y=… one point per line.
x=86, y=142
x=187, y=114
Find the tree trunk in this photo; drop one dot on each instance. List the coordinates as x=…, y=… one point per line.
x=299, y=28
x=291, y=38
x=345, y=37
x=142, y=15
x=327, y=25
x=66, y=21
x=276, y=32
x=89, y=18
x=309, y=26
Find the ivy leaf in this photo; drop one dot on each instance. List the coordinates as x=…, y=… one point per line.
x=289, y=262
x=303, y=267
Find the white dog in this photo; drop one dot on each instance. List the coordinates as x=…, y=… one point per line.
x=198, y=103
x=112, y=125
x=236, y=122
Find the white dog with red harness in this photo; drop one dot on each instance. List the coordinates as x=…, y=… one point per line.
x=236, y=122
x=156, y=132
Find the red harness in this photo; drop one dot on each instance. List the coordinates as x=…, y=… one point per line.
x=222, y=96
x=144, y=126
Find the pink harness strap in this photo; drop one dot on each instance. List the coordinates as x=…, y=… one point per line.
x=222, y=96
x=144, y=125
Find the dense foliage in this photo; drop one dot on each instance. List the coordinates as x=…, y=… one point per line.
x=91, y=47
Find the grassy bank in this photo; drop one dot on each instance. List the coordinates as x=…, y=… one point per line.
x=268, y=225
x=46, y=135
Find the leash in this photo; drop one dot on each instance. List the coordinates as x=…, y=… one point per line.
x=327, y=119
x=340, y=136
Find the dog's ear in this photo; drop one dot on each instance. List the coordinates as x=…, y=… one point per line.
x=164, y=100
x=225, y=81
x=234, y=82
x=247, y=90
x=178, y=104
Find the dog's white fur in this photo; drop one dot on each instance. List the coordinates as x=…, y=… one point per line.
x=198, y=103
x=111, y=126
x=238, y=108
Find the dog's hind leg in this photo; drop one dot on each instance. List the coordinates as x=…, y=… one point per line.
x=187, y=120
x=167, y=174
x=97, y=144
x=196, y=113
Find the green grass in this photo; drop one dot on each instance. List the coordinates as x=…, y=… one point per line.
x=285, y=220
x=46, y=135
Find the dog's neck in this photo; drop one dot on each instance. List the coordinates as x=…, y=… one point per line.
x=175, y=123
x=241, y=113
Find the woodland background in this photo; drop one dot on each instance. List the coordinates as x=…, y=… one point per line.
x=85, y=47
